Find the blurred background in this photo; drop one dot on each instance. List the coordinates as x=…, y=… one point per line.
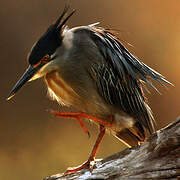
x=35, y=144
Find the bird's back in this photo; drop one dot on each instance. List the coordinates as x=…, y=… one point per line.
x=120, y=79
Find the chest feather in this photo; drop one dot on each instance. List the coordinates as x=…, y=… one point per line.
x=59, y=90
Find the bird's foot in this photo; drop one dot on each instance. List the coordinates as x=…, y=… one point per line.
x=74, y=116
x=80, y=116
x=88, y=164
x=91, y=161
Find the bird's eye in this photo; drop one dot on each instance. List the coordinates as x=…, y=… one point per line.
x=43, y=60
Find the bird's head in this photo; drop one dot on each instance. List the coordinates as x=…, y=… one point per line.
x=42, y=52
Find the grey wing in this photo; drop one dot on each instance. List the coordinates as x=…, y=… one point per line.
x=120, y=79
x=126, y=94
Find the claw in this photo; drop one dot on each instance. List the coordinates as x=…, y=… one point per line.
x=74, y=116
x=73, y=170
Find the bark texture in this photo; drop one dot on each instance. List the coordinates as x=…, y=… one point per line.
x=157, y=158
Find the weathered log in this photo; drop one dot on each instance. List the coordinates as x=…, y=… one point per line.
x=157, y=158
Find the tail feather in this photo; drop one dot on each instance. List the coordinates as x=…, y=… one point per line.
x=132, y=136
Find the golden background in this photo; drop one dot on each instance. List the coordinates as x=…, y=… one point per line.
x=35, y=144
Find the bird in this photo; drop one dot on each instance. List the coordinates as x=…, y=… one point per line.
x=88, y=68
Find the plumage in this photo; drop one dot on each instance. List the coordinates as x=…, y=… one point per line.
x=88, y=68
x=125, y=77
x=121, y=76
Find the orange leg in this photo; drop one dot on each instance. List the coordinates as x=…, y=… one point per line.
x=83, y=127
x=80, y=116
x=93, y=153
x=70, y=115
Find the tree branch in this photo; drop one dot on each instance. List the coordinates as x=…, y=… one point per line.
x=157, y=158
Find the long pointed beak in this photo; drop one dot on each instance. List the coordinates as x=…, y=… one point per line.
x=28, y=74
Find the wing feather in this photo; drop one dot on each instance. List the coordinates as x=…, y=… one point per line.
x=121, y=78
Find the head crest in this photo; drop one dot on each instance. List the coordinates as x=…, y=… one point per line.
x=60, y=21
x=50, y=40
